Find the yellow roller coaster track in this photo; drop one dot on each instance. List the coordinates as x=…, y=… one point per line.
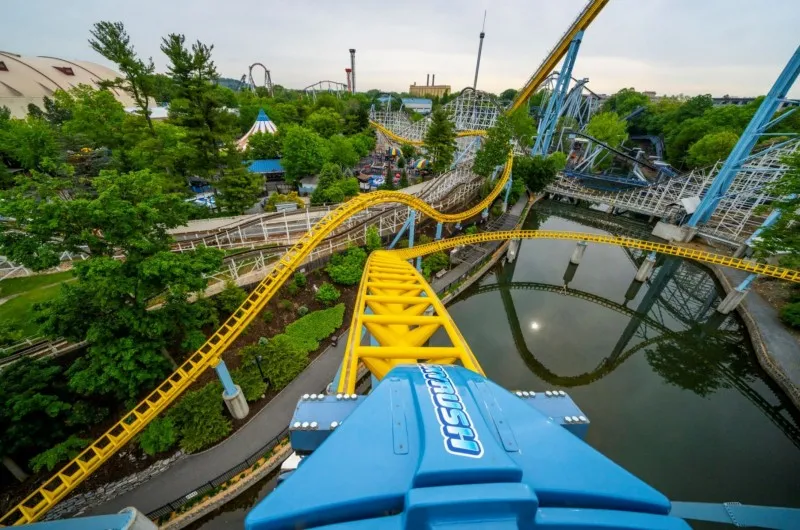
x=402, y=140
x=76, y=471
x=401, y=312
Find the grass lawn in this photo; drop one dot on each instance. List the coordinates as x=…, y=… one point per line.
x=29, y=283
x=30, y=290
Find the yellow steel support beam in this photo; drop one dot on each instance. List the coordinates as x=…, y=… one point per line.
x=585, y=18
x=401, y=317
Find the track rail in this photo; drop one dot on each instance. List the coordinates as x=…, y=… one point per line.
x=399, y=139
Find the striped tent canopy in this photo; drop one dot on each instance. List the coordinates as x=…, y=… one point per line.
x=393, y=151
x=421, y=163
x=262, y=125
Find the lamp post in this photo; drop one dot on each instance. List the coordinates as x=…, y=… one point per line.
x=258, y=363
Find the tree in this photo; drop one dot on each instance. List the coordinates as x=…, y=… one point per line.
x=239, y=189
x=346, y=268
x=62, y=452
x=120, y=215
x=711, y=148
x=537, y=172
x=494, y=150
x=30, y=144
x=263, y=146
x=507, y=95
x=408, y=151
x=329, y=177
x=342, y=151
x=625, y=101
x=356, y=117
x=304, y=152
x=523, y=126
x=440, y=141
x=434, y=263
x=197, y=105
x=110, y=40
x=95, y=118
x=283, y=358
x=608, y=127
x=783, y=237
x=403, y=180
x=325, y=121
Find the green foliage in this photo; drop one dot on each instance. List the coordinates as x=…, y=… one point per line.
x=314, y=327
x=345, y=268
x=332, y=187
x=625, y=101
x=66, y=450
x=292, y=289
x=277, y=198
x=267, y=316
x=494, y=150
x=608, y=127
x=326, y=122
x=199, y=419
x=304, y=152
x=373, y=239
x=327, y=294
x=523, y=126
x=537, y=172
x=711, y=148
x=783, y=237
x=283, y=358
x=403, y=180
x=435, y=262
x=440, y=141
x=302, y=311
x=249, y=380
x=30, y=144
x=408, y=150
x=263, y=146
x=159, y=436
x=95, y=118
x=790, y=313
x=471, y=230
x=343, y=151
x=238, y=189
x=285, y=304
x=230, y=298
x=300, y=280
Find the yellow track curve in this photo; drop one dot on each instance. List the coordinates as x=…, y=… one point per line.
x=401, y=140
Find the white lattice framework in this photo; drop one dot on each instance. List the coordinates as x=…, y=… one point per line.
x=471, y=110
x=735, y=218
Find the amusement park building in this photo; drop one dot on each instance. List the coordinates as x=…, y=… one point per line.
x=27, y=79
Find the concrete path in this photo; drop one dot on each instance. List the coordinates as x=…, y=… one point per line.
x=777, y=349
x=193, y=471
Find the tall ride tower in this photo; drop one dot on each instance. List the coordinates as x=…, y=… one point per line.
x=353, y=69
x=480, y=49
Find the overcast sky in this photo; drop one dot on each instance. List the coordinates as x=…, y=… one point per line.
x=735, y=47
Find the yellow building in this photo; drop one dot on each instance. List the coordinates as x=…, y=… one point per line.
x=430, y=91
x=26, y=79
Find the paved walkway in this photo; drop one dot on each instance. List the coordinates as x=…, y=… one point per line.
x=780, y=347
x=191, y=472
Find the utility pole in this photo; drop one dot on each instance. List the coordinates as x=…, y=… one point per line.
x=480, y=49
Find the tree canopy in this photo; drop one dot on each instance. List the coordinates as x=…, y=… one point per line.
x=440, y=141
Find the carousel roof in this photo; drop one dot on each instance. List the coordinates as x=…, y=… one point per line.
x=262, y=125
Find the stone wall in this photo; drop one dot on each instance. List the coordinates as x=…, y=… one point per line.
x=78, y=504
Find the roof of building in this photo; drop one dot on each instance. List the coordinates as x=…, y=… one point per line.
x=417, y=101
x=262, y=125
x=272, y=165
x=26, y=79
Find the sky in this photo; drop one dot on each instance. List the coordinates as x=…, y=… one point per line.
x=734, y=47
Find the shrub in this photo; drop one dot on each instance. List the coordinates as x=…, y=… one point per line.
x=373, y=239
x=283, y=359
x=199, y=419
x=230, y=298
x=434, y=263
x=316, y=326
x=249, y=379
x=327, y=294
x=422, y=239
x=159, y=436
x=267, y=316
x=285, y=304
x=790, y=313
x=300, y=280
x=346, y=268
x=302, y=310
x=471, y=230
x=66, y=450
x=292, y=289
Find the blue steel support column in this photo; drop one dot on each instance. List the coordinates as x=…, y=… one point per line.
x=225, y=378
x=438, y=231
x=757, y=126
x=399, y=234
x=547, y=125
x=412, y=217
x=508, y=192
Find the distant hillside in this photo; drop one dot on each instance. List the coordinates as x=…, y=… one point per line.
x=233, y=84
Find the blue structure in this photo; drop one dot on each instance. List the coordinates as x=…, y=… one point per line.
x=229, y=389
x=271, y=166
x=547, y=125
x=434, y=446
x=757, y=127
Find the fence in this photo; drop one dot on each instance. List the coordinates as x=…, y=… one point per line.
x=193, y=496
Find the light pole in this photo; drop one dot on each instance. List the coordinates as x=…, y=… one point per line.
x=258, y=358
